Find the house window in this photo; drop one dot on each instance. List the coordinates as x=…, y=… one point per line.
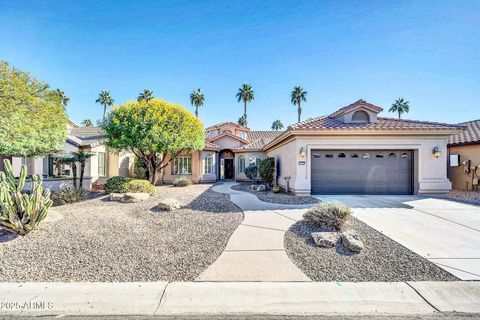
x=360, y=116
x=213, y=134
x=101, y=164
x=182, y=165
x=255, y=160
x=241, y=134
x=241, y=164
x=208, y=164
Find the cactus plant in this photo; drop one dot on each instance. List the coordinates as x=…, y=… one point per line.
x=20, y=212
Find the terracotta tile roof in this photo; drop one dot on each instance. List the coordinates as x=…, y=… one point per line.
x=330, y=123
x=90, y=136
x=258, y=139
x=211, y=146
x=221, y=124
x=354, y=105
x=470, y=136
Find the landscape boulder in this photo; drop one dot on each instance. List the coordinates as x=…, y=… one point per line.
x=115, y=196
x=262, y=187
x=130, y=197
x=351, y=240
x=169, y=205
x=325, y=239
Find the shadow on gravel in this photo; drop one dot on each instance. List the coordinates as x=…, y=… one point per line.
x=6, y=236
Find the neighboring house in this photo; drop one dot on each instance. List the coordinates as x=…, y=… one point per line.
x=102, y=165
x=352, y=151
x=464, y=149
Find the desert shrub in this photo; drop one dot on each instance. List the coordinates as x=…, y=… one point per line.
x=140, y=186
x=328, y=215
x=21, y=212
x=266, y=169
x=251, y=172
x=117, y=184
x=68, y=194
x=182, y=182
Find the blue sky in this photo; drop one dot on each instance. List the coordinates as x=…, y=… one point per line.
x=339, y=51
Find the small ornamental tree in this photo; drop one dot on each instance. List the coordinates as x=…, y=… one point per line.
x=266, y=169
x=152, y=130
x=32, y=118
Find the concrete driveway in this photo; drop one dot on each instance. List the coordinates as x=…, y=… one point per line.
x=445, y=232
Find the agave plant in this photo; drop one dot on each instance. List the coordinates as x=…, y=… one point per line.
x=21, y=212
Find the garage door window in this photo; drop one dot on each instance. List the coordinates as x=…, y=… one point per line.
x=392, y=155
x=341, y=155
x=366, y=155
x=379, y=155
x=316, y=155
x=329, y=155
x=404, y=155
x=354, y=155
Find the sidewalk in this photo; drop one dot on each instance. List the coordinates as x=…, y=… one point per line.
x=256, y=247
x=245, y=298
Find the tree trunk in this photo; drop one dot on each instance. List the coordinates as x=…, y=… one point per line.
x=245, y=111
x=82, y=171
x=399, y=115
x=299, y=110
x=74, y=172
x=196, y=111
x=104, y=111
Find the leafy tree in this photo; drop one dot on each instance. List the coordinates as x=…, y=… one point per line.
x=266, y=169
x=87, y=123
x=145, y=95
x=81, y=157
x=400, y=106
x=245, y=94
x=197, y=99
x=155, y=131
x=64, y=100
x=242, y=121
x=297, y=96
x=277, y=125
x=105, y=100
x=32, y=119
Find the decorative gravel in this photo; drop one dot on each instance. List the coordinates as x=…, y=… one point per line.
x=382, y=259
x=280, y=198
x=100, y=240
x=473, y=196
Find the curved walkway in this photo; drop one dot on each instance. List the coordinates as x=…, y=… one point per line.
x=255, y=251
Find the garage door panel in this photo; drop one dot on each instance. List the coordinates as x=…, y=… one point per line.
x=361, y=172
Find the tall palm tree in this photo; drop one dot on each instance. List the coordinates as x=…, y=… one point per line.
x=400, y=106
x=297, y=96
x=64, y=100
x=242, y=121
x=277, y=125
x=87, y=123
x=197, y=99
x=105, y=100
x=145, y=95
x=245, y=94
x=81, y=157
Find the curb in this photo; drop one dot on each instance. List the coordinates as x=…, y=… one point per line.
x=239, y=298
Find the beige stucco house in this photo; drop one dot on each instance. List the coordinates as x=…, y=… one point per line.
x=353, y=151
x=464, y=157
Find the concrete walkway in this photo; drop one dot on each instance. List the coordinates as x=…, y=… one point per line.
x=184, y=299
x=443, y=231
x=255, y=251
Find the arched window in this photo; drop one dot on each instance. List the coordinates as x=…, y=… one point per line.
x=360, y=116
x=241, y=164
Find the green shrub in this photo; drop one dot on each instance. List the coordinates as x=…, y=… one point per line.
x=251, y=172
x=68, y=194
x=182, y=182
x=266, y=169
x=117, y=184
x=140, y=169
x=140, y=186
x=21, y=212
x=328, y=215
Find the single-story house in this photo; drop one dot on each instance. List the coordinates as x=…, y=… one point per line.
x=351, y=151
x=102, y=165
x=464, y=157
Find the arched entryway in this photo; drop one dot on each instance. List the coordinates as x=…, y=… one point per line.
x=227, y=164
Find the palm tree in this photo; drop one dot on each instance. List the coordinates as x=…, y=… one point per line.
x=245, y=94
x=87, y=123
x=277, y=125
x=72, y=162
x=197, y=99
x=105, y=100
x=64, y=100
x=401, y=106
x=81, y=157
x=242, y=121
x=145, y=95
x=297, y=96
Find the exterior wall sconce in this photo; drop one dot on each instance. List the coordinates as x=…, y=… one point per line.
x=436, y=152
x=302, y=152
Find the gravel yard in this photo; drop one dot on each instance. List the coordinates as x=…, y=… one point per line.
x=280, y=198
x=473, y=196
x=382, y=260
x=100, y=240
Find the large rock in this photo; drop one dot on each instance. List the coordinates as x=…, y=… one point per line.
x=351, y=240
x=169, y=205
x=115, y=196
x=261, y=188
x=325, y=239
x=130, y=197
